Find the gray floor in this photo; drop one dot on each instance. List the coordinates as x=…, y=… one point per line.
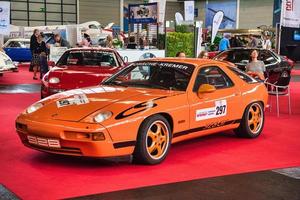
x=20, y=88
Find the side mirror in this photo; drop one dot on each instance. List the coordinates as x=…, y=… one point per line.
x=205, y=88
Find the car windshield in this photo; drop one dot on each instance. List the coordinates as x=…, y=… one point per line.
x=19, y=44
x=157, y=75
x=90, y=58
x=235, y=56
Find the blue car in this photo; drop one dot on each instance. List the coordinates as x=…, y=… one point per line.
x=18, y=49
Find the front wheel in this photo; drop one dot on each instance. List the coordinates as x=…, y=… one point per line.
x=252, y=122
x=153, y=142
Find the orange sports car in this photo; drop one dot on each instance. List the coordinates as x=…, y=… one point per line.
x=144, y=108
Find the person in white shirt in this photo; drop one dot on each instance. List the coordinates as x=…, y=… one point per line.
x=267, y=44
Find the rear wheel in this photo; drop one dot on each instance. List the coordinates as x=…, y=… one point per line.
x=153, y=142
x=252, y=122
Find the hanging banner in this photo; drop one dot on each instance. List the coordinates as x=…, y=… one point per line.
x=142, y=13
x=189, y=10
x=290, y=13
x=4, y=17
x=228, y=7
x=216, y=25
x=161, y=14
x=199, y=38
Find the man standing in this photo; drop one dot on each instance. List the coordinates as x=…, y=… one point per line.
x=61, y=42
x=224, y=43
x=253, y=42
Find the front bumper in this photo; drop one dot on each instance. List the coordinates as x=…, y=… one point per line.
x=46, y=91
x=6, y=70
x=74, y=138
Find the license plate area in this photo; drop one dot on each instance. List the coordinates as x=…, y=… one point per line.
x=44, y=142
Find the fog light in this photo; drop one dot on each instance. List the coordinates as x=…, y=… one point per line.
x=98, y=136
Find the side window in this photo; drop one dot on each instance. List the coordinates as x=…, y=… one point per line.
x=267, y=57
x=13, y=44
x=242, y=75
x=213, y=76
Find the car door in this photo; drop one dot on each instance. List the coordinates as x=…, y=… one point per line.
x=217, y=108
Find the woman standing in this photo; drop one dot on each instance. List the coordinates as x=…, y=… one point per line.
x=43, y=56
x=256, y=68
x=35, y=61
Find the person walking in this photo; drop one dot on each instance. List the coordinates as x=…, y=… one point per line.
x=224, y=43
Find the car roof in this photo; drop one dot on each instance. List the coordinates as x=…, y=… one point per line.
x=92, y=48
x=246, y=48
x=19, y=39
x=192, y=61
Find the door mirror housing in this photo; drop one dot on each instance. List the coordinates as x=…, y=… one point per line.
x=205, y=88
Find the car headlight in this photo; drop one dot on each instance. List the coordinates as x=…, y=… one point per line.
x=100, y=117
x=54, y=80
x=34, y=108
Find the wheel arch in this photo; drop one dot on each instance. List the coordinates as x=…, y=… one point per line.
x=167, y=116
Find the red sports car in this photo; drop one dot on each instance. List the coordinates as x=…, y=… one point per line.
x=81, y=67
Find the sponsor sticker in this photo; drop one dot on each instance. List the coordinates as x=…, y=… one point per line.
x=78, y=99
x=219, y=110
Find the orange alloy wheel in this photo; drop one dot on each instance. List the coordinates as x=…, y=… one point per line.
x=157, y=139
x=255, y=118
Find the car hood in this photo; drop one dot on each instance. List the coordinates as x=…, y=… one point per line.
x=74, y=105
x=80, y=76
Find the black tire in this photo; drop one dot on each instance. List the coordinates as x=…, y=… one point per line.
x=145, y=142
x=247, y=130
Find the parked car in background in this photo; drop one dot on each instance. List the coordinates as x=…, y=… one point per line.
x=18, y=49
x=6, y=64
x=278, y=68
x=81, y=67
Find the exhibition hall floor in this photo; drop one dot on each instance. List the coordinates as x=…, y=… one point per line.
x=29, y=174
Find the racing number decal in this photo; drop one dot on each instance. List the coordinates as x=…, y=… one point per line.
x=220, y=110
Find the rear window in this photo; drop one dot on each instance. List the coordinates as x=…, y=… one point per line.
x=88, y=58
x=245, y=77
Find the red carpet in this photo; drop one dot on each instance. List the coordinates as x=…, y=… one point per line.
x=295, y=72
x=34, y=175
x=21, y=77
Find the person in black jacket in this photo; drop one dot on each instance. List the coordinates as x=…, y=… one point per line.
x=33, y=46
x=44, y=51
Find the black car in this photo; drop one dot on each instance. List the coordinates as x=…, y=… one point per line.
x=278, y=69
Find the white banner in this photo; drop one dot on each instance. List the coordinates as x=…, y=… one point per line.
x=4, y=17
x=217, y=20
x=199, y=37
x=290, y=13
x=189, y=7
x=161, y=13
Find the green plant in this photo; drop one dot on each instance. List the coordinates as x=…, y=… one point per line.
x=180, y=42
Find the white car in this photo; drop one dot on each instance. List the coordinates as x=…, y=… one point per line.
x=6, y=64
